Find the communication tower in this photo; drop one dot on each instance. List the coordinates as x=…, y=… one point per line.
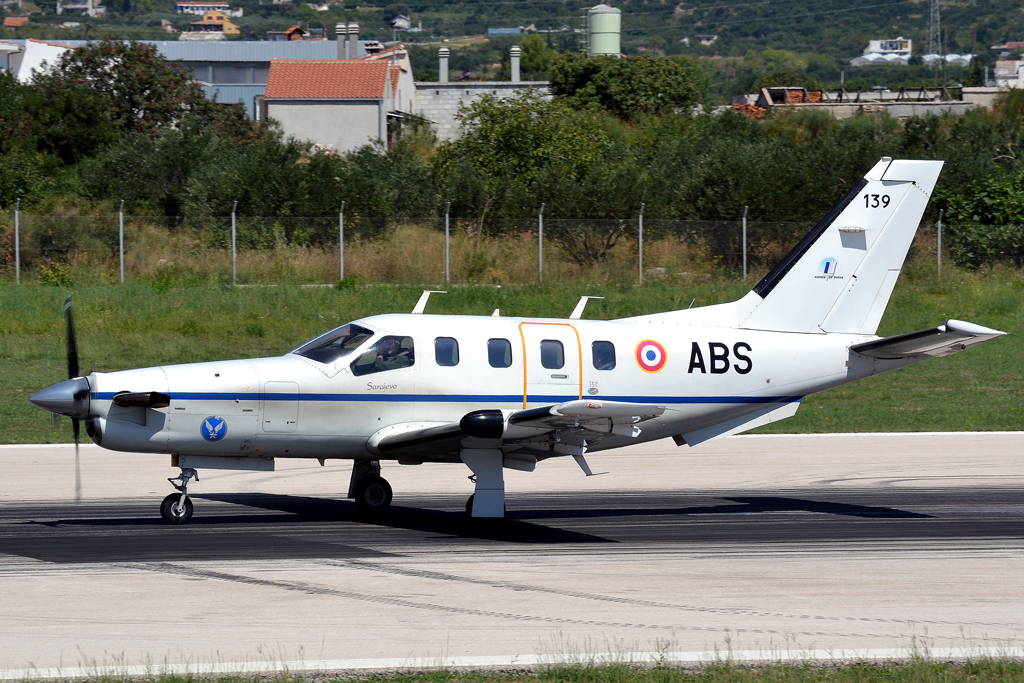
x=934, y=29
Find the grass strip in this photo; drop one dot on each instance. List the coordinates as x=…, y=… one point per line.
x=915, y=671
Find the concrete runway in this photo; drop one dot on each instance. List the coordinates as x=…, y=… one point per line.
x=786, y=545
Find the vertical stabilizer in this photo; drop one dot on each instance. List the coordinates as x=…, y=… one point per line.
x=840, y=276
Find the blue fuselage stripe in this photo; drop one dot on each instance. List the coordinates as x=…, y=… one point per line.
x=456, y=398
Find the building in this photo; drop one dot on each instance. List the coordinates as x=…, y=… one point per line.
x=89, y=8
x=215, y=21
x=201, y=8
x=293, y=33
x=339, y=105
x=22, y=57
x=890, y=51
x=842, y=104
x=439, y=103
x=15, y=22
x=1009, y=73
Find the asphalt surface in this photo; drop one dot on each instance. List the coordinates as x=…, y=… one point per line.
x=779, y=546
x=260, y=526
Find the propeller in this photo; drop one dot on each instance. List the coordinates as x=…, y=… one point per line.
x=73, y=373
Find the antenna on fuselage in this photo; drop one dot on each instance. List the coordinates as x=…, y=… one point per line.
x=496, y=313
x=577, y=312
x=422, y=303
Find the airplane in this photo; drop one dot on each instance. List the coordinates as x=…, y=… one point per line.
x=496, y=392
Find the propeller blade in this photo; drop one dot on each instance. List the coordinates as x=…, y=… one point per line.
x=72, y=344
x=78, y=466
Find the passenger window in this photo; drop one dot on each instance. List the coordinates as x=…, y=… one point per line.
x=446, y=351
x=604, y=355
x=389, y=353
x=499, y=353
x=552, y=355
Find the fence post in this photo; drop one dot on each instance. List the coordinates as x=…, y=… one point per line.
x=120, y=238
x=641, y=245
x=447, y=210
x=17, y=241
x=234, y=258
x=341, y=242
x=745, y=208
x=938, y=249
x=540, y=244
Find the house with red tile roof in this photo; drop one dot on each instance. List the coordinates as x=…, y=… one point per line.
x=337, y=104
x=15, y=22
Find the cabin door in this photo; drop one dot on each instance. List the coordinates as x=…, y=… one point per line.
x=552, y=371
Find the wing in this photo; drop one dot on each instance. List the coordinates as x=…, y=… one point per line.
x=561, y=429
x=946, y=339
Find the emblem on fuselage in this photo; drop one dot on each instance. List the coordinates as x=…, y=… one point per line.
x=828, y=267
x=650, y=355
x=593, y=391
x=213, y=428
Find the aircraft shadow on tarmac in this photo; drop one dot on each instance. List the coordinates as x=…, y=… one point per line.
x=229, y=532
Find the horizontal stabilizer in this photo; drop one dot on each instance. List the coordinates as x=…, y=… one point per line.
x=946, y=339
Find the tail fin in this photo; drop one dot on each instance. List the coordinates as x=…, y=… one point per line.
x=840, y=276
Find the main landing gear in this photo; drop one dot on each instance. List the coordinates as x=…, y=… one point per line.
x=177, y=508
x=371, y=491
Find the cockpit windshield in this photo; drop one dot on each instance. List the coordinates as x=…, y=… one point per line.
x=335, y=344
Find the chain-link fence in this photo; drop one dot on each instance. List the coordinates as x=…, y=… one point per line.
x=248, y=249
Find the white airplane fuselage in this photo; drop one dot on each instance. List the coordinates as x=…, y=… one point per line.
x=291, y=406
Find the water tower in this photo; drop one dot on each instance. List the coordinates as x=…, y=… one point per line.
x=604, y=30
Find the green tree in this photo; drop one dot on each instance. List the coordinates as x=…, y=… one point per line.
x=139, y=89
x=535, y=58
x=630, y=87
x=975, y=77
x=69, y=121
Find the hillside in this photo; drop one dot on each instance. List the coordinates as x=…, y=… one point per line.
x=813, y=38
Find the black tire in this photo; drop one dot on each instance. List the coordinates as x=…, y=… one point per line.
x=373, y=494
x=168, y=509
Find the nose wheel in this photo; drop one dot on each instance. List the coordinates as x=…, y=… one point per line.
x=373, y=494
x=177, y=508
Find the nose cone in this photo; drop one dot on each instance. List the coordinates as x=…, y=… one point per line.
x=69, y=398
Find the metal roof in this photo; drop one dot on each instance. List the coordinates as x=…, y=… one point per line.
x=237, y=50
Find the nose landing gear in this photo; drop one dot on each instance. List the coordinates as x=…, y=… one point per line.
x=177, y=508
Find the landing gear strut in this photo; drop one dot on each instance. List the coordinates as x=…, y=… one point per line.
x=371, y=491
x=177, y=508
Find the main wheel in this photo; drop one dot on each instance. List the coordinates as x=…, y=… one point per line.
x=373, y=494
x=172, y=514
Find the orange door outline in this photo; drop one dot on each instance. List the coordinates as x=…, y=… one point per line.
x=579, y=349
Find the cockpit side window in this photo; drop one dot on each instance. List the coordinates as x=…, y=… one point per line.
x=389, y=353
x=338, y=343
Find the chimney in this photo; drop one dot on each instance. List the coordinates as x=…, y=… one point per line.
x=515, y=52
x=340, y=33
x=353, y=40
x=442, y=64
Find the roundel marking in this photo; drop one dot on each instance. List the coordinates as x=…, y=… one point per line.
x=213, y=428
x=651, y=355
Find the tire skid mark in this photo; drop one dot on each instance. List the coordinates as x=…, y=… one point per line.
x=442, y=576
x=311, y=589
